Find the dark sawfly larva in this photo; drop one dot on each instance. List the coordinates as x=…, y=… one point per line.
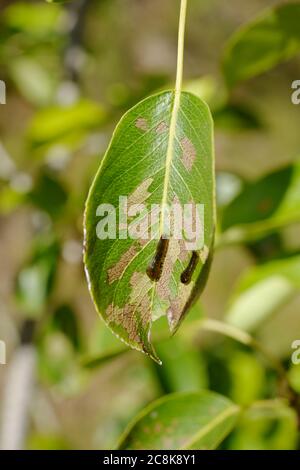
x=187, y=274
x=154, y=270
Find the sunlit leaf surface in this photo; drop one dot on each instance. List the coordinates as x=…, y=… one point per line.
x=155, y=158
x=271, y=38
x=182, y=421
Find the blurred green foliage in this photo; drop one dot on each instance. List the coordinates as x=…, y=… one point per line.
x=270, y=39
x=71, y=69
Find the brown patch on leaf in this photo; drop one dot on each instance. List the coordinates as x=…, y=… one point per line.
x=135, y=316
x=178, y=304
x=163, y=286
x=116, y=271
x=143, y=241
x=184, y=253
x=158, y=428
x=193, y=226
x=140, y=194
x=162, y=128
x=140, y=284
x=265, y=206
x=142, y=123
x=189, y=153
x=124, y=316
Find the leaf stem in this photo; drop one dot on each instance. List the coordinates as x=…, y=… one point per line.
x=180, y=53
x=175, y=110
x=242, y=337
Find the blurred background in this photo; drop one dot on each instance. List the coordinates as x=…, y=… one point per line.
x=71, y=70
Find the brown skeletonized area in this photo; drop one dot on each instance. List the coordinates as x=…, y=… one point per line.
x=177, y=305
x=188, y=153
x=163, y=286
x=136, y=314
x=116, y=271
x=142, y=124
x=162, y=128
x=140, y=194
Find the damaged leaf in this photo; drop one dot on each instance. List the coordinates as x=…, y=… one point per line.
x=265, y=42
x=157, y=176
x=189, y=420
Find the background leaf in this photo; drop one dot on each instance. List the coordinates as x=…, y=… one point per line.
x=183, y=367
x=182, y=421
x=268, y=425
x=265, y=42
x=48, y=194
x=34, y=81
x=35, y=280
x=264, y=205
x=34, y=19
x=59, y=123
x=262, y=290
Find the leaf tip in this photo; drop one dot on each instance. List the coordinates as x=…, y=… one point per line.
x=150, y=351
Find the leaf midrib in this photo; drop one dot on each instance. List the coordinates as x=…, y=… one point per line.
x=231, y=411
x=170, y=153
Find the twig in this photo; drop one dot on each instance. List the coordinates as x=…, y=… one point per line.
x=245, y=338
x=17, y=398
x=18, y=390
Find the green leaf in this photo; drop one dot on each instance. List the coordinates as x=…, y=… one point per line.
x=226, y=116
x=247, y=377
x=209, y=89
x=34, y=82
x=10, y=199
x=262, y=290
x=183, y=366
x=65, y=122
x=266, y=425
x=58, y=364
x=294, y=373
x=48, y=194
x=100, y=360
x=35, y=279
x=43, y=441
x=158, y=155
x=263, y=206
x=65, y=321
x=182, y=421
x=37, y=20
x=105, y=346
x=289, y=268
x=270, y=39
x=236, y=117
